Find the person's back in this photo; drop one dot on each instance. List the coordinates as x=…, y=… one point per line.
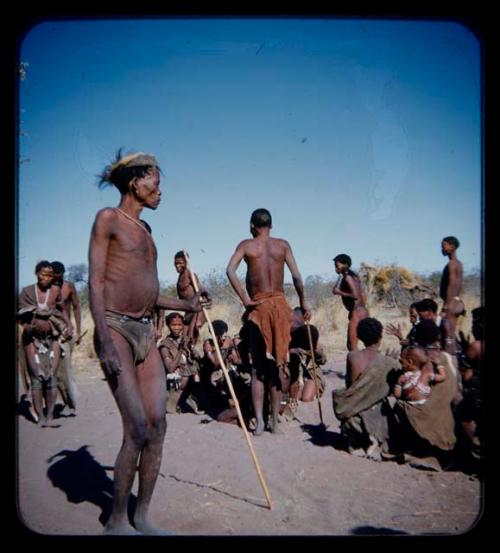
x=268, y=314
x=265, y=257
x=360, y=408
x=357, y=361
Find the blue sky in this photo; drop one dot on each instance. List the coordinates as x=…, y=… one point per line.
x=360, y=136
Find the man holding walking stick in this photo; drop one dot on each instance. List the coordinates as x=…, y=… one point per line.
x=124, y=293
x=268, y=315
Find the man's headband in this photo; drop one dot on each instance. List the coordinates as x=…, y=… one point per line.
x=134, y=160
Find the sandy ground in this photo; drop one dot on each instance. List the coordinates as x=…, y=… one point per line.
x=208, y=485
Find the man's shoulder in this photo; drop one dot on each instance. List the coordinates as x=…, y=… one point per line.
x=28, y=288
x=68, y=286
x=184, y=276
x=246, y=242
x=106, y=214
x=352, y=355
x=280, y=241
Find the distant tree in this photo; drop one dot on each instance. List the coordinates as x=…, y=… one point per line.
x=78, y=273
x=317, y=289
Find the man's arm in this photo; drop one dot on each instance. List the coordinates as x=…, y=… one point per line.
x=297, y=281
x=196, y=303
x=231, y=269
x=99, y=243
x=77, y=313
x=159, y=322
x=64, y=312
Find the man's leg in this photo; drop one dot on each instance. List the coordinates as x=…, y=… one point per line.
x=152, y=385
x=258, y=390
x=67, y=375
x=275, y=379
x=125, y=390
x=52, y=384
x=352, y=336
x=257, y=350
x=36, y=391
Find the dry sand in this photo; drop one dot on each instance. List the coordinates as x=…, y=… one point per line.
x=208, y=485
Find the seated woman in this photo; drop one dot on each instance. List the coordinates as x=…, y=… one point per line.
x=427, y=429
x=362, y=408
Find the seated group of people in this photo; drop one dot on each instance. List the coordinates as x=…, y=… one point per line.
x=421, y=404
x=195, y=379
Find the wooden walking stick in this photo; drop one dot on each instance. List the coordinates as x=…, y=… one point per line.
x=230, y=386
x=313, y=360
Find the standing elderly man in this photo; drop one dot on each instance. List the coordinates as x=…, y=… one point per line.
x=124, y=292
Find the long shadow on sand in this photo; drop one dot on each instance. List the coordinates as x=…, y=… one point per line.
x=23, y=408
x=319, y=435
x=82, y=478
x=376, y=531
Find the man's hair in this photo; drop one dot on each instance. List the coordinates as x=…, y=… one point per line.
x=174, y=315
x=343, y=258
x=414, y=305
x=180, y=255
x=261, y=218
x=41, y=265
x=220, y=327
x=120, y=175
x=58, y=267
x=451, y=240
x=427, y=332
x=427, y=304
x=369, y=331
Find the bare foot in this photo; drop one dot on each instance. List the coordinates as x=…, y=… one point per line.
x=144, y=527
x=50, y=423
x=259, y=427
x=120, y=529
x=274, y=426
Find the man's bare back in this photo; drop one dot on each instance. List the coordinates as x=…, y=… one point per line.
x=265, y=258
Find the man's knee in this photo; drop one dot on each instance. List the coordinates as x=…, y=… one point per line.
x=145, y=432
x=157, y=428
x=137, y=434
